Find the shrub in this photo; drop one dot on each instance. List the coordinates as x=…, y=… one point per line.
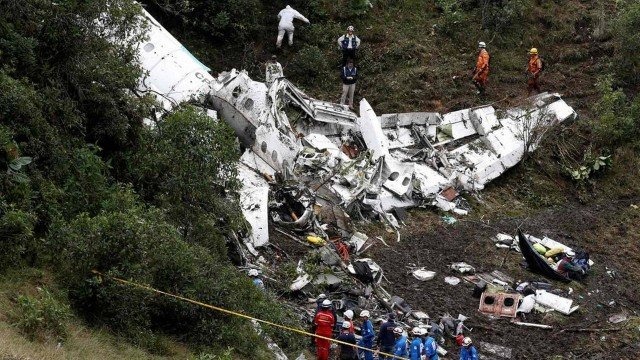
x=42, y=316
x=452, y=16
x=138, y=244
x=618, y=119
x=310, y=65
x=626, y=61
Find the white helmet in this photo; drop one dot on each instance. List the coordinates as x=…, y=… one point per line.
x=350, y=28
x=346, y=325
x=570, y=253
x=482, y=45
x=417, y=331
x=322, y=296
x=348, y=314
x=466, y=341
x=398, y=330
x=326, y=304
x=253, y=272
x=364, y=313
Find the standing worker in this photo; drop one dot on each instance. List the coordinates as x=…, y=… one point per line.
x=286, y=17
x=468, y=351
x=347, y=352
x=348, y=43
x=400, y=347
x=367, y=335
x=481, y=71
x=417, y=348
x=323, y=324
x=386, y=338
x=348, y=317
x=273, y=71
x=431, y=346
x=533, y=70
x=349, y=76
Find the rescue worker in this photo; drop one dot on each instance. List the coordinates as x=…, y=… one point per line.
x=417, y=347
x=349, y=76
x=286, y=17
x=348, y=43
x=323, y=324
x=400, y=347
x=256, y=279
x=366, y=330
x=386, y=338
x=533, y=70
x=431, y=346
x=468, y=351
x=348, y=316
x=319, y=300
x=347, y=352
x=481, y=71
x=567, y=268
x=273, y=71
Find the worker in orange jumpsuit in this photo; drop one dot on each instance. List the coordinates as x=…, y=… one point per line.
x=323, y=324
x=481, y=71
x=533, y=70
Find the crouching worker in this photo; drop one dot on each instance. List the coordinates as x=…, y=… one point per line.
x=568, y=268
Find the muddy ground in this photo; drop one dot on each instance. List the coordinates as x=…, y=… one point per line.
x=436, y=245
x=608, y=230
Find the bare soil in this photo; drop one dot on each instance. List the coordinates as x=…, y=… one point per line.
x=608, y=231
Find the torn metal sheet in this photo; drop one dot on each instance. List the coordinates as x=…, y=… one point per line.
x=558, y=303
x=423, y=275
x=172, y=75
x=254, y=196
x=364, y=163
x=372, y=131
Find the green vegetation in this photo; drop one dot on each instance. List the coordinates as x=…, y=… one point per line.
x=84, y=185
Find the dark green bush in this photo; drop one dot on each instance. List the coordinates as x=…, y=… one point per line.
x=138, y=244
x=626, y=60
x=618, y=118
x=311, y=65
x=42, y=316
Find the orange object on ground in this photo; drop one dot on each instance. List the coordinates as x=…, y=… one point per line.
x=343, y=250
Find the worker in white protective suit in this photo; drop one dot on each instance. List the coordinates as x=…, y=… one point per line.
x=286, y=17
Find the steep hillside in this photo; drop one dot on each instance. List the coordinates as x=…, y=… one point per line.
x=84, y=185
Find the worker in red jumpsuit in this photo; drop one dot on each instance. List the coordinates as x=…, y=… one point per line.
x=323, y=324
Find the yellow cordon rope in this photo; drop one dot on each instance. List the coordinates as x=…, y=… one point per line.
x=229, y=312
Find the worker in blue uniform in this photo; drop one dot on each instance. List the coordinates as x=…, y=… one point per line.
x=400, y=347
x=468, y=351
x=431, y=347
x=417, y=347
x=367, y=336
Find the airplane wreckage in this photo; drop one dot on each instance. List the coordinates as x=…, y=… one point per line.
x=311, y=165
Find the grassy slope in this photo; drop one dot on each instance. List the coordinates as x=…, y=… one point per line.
x=82, y=342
